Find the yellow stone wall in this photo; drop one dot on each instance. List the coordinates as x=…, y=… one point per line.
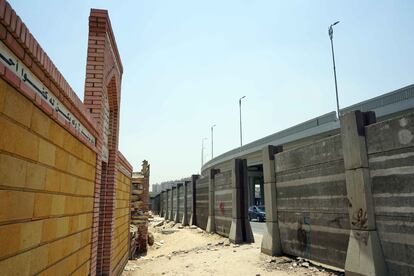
x=46, y=192
x=121, y=230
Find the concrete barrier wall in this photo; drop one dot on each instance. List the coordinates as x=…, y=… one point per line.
x=390, y=146
x=164, y=200
x=223, y=202
x=189, y=213
x=311, y=201
x=169, y=204
x=174, y=203
x=202, y=202
x=180, y=207
x=345, y=200
x=156, y=204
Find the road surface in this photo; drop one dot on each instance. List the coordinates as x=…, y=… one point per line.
x=258, y=228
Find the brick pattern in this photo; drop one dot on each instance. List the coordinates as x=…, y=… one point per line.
x=52, y=179
x=120, y=245
x=46, y=191
x=103, y=80
x=15, y=34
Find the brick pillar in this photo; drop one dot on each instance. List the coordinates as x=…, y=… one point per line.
x=364, y=255
x=240, y=230
x=211, y=225
x=102, y=99
x=271, y=244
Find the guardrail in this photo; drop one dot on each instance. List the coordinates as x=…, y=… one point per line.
x=389, y=103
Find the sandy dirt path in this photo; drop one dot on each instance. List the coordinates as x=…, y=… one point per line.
x=191, y=251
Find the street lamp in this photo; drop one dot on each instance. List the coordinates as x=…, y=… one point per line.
x=212, y=141
x=202, y=150
x=241, y=133
x=330, y=31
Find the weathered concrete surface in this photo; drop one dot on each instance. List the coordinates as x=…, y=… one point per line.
x=211, y=226
x=223, y=202
x=364, y=255
x=167, y=204
x=202, y=202
x=191, y=193
x=322, y=151
x=183, y=201
x=271, y=238
x=171, y=205
x=312, y=209
x=177, y=214
x=358, y=185
x=240, y=230
x=393, y=134
x=391, y=161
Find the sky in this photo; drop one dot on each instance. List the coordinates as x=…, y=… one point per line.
x=187, y=63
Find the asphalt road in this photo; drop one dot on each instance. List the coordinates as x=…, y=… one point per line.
x=258, y=228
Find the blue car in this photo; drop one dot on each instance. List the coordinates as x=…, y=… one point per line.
x=257, y=212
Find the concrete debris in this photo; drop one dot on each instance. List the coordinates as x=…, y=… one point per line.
x=220, y=243
x=180, y=227
x=271, y=261
x=236, y=245
x=305, y=264
x=158, y=224
x=167, y=231
x=193, y=227
x=131, y=267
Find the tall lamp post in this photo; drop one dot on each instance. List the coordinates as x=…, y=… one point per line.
x=202, y=150
x=241, y=131
x=212, y=144
x=334, y=67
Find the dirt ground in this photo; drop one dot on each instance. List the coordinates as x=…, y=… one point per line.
x=191, y=251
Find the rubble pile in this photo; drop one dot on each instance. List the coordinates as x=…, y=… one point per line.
x=140, y=209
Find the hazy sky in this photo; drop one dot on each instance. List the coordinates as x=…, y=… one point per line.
x=186, y=64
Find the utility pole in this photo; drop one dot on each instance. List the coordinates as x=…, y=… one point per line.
x=241, y=131
x=202, y=150
x=212, y=144
x=330, y=31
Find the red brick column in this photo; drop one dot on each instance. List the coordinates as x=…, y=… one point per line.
x=103, y=81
